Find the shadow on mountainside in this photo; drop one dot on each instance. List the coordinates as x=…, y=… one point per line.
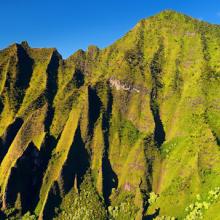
x=53, y=201
x=95, y=105
x=156, y=70
x=77, y=163
x=110, y=179
x=8, y=137
x=51, y=88
x=25, y=179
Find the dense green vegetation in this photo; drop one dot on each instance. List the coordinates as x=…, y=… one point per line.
x=131, y=131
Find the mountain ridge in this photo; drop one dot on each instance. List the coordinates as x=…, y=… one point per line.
x=163, y=14
x=130, y=131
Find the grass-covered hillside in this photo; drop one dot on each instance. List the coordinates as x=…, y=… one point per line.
x=128, y=132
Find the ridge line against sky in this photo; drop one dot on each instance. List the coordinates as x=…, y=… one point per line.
x=72, y=25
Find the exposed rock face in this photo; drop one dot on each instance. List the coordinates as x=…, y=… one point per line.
x=94, y=135
x=122, y=86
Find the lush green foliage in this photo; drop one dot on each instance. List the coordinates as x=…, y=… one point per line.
x=86, y=205
x=131, y=131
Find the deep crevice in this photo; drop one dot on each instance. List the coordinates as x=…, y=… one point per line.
x=77, y=163
x=217, y=139
x=156, y=69
x=51, y=88
x=110, y=179
x=17, y=83
x=78, y=78
x=1, y=105
x=53, y=201
x=45, y=154
x=76, y=82
x=74, y=169
x=25, y=175
x=149, y=147
x=95, y=105
x=25, y=67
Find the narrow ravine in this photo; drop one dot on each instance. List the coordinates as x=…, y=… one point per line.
x=156, y=69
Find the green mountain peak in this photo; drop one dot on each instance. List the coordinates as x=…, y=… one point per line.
x=130, y=131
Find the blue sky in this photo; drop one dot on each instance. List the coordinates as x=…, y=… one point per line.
x=69, y=25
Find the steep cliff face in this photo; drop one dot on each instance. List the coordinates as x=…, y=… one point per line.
x=128, y=132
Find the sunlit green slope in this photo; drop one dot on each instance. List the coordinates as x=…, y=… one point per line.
x=128, y=132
